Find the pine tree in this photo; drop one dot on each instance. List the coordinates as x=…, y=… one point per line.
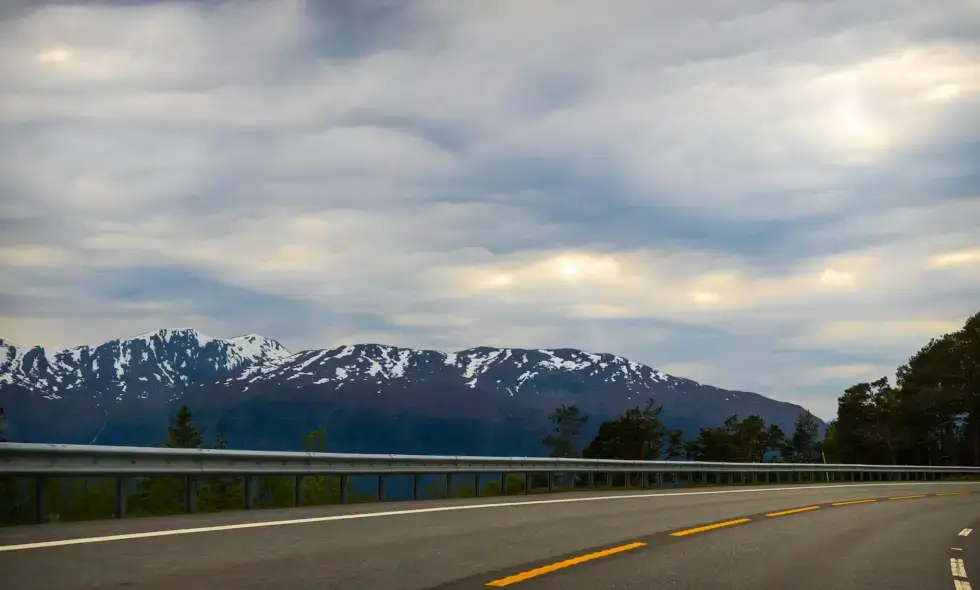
x=568, y=422
x=222, y=491
x=805, y=437
x=182, y=434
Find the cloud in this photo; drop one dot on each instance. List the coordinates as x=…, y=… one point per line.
x=765, y=196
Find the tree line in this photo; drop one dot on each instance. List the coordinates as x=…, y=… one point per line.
x=929, y=416
x=639, y=434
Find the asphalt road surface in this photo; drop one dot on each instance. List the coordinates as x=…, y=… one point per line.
x=901, y=536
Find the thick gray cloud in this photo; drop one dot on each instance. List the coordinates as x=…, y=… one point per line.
x=780, y=197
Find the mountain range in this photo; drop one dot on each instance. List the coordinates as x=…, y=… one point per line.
x=370, y=397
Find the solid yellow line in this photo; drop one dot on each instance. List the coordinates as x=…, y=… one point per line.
x=907, y=497
x=952, y=493
x=709, y=527
x=793, y=511
x=562, y=564
x=855, y=502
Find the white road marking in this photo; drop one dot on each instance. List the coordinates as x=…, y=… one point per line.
x=271, y=523
x=961, y=585
x=956, y=549
x=965, y=532
x=957, y=567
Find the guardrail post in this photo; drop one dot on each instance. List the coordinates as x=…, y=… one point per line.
x=551, y=482
x=249, y=492
x=381, y=487
x=449, y=485
x=120, y=497
x=190, y=498
x=476, y=485
x=527, y=483
x=503, y=484
x=344, y=479
x=416, y=483
x=40, y=499
x=298, y=491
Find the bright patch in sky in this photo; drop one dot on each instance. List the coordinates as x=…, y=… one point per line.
x=58, y=55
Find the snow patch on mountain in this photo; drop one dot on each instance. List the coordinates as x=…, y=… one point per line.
x=503, y=369
x=168, y=357
x=173, y=360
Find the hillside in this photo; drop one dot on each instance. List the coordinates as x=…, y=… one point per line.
x=370, y=397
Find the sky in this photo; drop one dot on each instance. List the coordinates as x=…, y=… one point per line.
x=765, y=196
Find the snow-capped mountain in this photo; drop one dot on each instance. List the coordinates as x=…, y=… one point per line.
x=371, y=397
x=503, y=369
x=134, y=366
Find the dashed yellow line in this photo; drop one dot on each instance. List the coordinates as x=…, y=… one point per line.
x=562, y=564
x=794, y=511
x=848, y=503
x=710, y=527
x=514, y=579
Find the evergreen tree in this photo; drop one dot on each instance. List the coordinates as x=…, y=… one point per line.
x=220, y=442
x=221, y=491
x=743, y=441
x=638, y=434
x=805, y=437
x=568, y=422
x=676, y=445
x=320, y=489
x=182, y=433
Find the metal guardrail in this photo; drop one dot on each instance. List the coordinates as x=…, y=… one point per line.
x=41, y=461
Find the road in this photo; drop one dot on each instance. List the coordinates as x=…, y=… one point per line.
x=651, y=539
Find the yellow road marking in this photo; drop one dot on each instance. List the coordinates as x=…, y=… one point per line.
x=709, y=527
x=561, y=565
x=907, y=497
x=869, y=500
x=793, y=511
x=952, y=493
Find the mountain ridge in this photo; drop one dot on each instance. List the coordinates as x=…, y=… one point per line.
x=260, y=391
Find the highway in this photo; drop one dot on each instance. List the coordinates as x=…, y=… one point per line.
x=901, y=536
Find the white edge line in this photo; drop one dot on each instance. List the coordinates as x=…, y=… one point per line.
x=271, y=523
x=961, y=585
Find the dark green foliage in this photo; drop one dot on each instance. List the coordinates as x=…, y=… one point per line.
x=220, y=492
x=741, y=441
x=930, y=416
x=182, y=434
x=804, y=441
x=638, y=434
x=568, y=422
x=320, y=489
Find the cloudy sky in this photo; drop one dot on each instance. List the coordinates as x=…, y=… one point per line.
x=772, y=196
